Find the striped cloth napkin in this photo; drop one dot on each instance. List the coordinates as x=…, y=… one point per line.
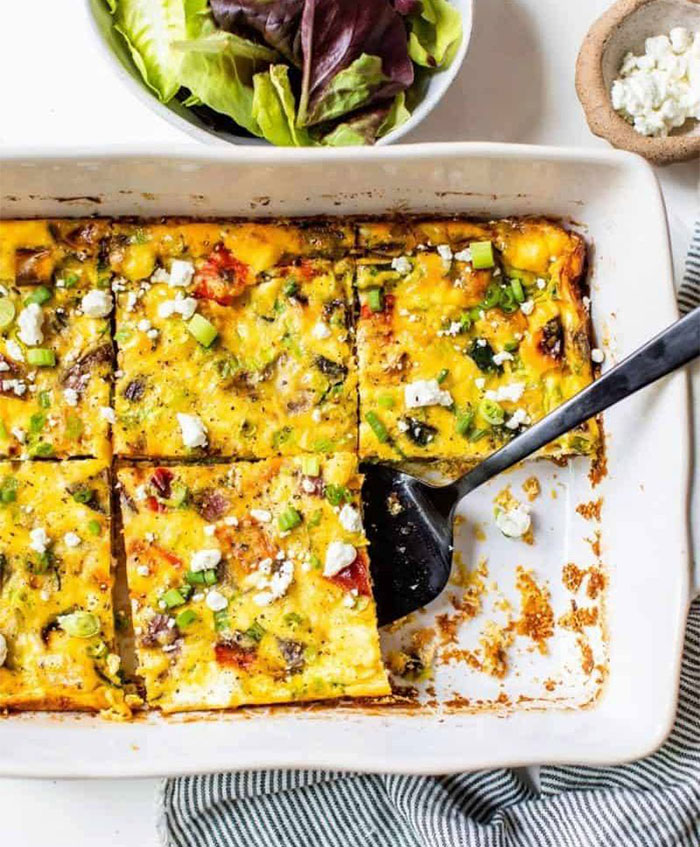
x=654, y=802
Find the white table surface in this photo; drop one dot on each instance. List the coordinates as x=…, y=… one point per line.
x=517, y=84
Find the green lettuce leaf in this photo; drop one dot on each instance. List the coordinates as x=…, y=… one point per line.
x=349, y=89
x=275, y=110
x=358, y=130
x=435, y=34
x=149, y=28
x=218, y=67
x=398, y=114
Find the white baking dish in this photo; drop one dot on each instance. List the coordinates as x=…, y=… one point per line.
x=644, y=522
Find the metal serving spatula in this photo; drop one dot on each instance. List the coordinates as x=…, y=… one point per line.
x=411, y=548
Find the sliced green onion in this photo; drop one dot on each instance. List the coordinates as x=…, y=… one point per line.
x=466, y=322
x=478, y=434
x=377, y=426
x=289, y=519
x=491, y=412
x=45, y=399
x=70, y=280
x=42, y=450
x=8, y=490
x=508, y=302
x=492, y=297
x=203, y=330
x=83, y=494
x=201, y=577
x=290, y=289
x=315, y=519
x=464, y=422
x=94, y=527
x=255, y=631
x=3, y=430
x=375, y=299
x=442, y=376
x=173, y=598
x=511, y=346
x=336, y=494
x=315, y=562
x=310, y=465
x=482, y=254
x=386, y=401
x=178, y=494
x=41, y=357
x=185, y=618
x=37, y=422
x=79, y=624
x=7, y=312
x=293, y=619
x=518, y=290
x=221, y=620
x=40, y=295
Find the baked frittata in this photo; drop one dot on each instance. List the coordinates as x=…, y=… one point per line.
x=56, y=616
x=467, y=334
x=224, y=357
x=250, y=583
x=55, y=371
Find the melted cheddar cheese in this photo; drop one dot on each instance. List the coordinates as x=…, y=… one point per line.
x=227, y=573
x=56, y=617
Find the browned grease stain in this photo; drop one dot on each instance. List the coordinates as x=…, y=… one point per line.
x=573, y=577
x=536, y=615
x=591, y=510
x=532, y=488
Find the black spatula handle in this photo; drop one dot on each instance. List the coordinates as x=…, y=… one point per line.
x=677, y=345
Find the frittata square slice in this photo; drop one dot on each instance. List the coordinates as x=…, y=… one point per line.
x=56, y=621
x=55, y=372
x=267, y=371
x=462, y=345
x=250, y=582
x=42, y=252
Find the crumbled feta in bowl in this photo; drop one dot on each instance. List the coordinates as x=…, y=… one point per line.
x=659, y=91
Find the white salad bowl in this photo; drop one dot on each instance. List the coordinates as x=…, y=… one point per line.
x=117, y=54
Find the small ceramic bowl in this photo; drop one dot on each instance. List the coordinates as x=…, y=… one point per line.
x=624, y=28
x=116, y=52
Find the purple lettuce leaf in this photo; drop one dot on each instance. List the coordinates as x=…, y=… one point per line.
x=407, y=7
x=334, y=35
x=277, y=21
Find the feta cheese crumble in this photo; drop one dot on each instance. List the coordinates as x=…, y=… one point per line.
x=194, y=433
x=338, y=556
x=464, y=255
x=512, y=392
x=515, y=522
x=349, y=518
x=71, y=539
x=14, y=350
x=597, y=355
x=3, y=649
x=518, y=418
x=261, y=515
x=97, y=304
x=527, y=307
x=660, y=90
x=185, y=306
x=29, y=322
x=181, y=273
x=445, y=253
x=39, y=540
x=426, y=392
x=503, y=356
x=216, y=601
x=107, y=413
x=321, y=330
x=205, y=560
x=402, y=265
x=70, y=395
